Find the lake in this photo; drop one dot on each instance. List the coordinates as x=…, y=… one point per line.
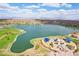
x=35, y=31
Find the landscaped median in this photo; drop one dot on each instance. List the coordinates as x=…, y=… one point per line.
x=7, y=38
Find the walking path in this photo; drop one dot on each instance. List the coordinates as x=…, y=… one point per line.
x=3, y=36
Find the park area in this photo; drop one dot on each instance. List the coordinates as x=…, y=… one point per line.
x=7, y=38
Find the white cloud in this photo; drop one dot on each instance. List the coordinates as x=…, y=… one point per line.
x=32, y=7
x=57, y=4
x=51, y=14
x=14, y=11
x=27, y=12
x=6, y=6
x=42, y=11
x=70, y=14
x=51, y=4
x=66, y=5
x=21, y=11
x=60, y=14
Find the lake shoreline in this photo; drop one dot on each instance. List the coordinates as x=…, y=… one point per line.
x=40, y=34
x=32, y=51
x=35, y=52
x=35, y=31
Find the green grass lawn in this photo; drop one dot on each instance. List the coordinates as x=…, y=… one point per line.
x=75, y=40
x=9, y=36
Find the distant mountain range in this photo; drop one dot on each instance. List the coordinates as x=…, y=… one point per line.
x=43, y=21
x=60, y=22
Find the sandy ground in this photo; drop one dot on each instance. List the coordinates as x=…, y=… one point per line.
x=49, y=52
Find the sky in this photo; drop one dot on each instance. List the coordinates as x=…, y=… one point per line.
x=68, y=11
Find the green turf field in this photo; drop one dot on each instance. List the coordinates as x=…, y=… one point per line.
x=7, y=35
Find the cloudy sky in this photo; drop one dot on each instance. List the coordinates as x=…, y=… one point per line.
x=40, y=10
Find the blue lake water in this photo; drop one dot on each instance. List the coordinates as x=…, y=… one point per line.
x=35, y=31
